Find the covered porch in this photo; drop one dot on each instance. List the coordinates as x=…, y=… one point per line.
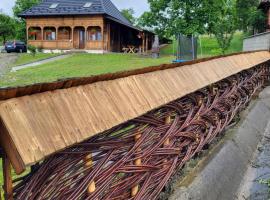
x=67, y=37
x=112, y=37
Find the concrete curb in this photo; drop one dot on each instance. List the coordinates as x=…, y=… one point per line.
x=40, y=62
x=219, y=175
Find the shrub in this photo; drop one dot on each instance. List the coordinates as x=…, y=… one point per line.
x=39, y=49
x=32, y=49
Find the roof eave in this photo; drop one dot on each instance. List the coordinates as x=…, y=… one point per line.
x=56, y=14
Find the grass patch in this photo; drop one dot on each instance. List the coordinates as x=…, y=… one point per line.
x=80, y=65
x=26, y=58
x=169, y=49
x=209, y=46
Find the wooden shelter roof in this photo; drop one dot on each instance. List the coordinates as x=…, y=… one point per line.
x=39, y=120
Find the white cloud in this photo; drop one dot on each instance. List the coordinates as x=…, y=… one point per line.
x=6, y=6
x=139, y=6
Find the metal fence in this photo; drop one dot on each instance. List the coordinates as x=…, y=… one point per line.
x=186, y=48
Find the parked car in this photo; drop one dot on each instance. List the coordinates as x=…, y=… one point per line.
x=15, y=46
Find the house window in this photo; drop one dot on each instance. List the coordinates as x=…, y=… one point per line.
x=49, y=33
x=54, y=5
x=87, y=5
x=94, y=33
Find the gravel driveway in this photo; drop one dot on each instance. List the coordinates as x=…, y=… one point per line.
x=6, y=60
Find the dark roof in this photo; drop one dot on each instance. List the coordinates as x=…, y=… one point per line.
x=76, y=7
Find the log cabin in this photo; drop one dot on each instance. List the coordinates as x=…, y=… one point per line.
x=265, y=7
x=88, y=25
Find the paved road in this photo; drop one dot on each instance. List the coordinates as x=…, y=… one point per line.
x=259, y=169
x=6, y=60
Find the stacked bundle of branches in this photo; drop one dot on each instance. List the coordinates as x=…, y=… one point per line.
x=135, y=160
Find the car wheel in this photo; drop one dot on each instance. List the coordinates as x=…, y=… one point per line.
x=8, y=51
x=20, y=50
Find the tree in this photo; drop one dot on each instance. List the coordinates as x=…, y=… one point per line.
x=129, y=15
x=169, y=17
x=224, y=26
x=257, y=21
x=247, y=12
x=7, y=27
x=21, y=6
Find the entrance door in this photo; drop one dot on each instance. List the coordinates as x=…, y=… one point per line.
x=81, y=39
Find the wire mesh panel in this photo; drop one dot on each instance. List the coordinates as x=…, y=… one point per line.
x=186, y=47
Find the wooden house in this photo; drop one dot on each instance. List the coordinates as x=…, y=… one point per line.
x=92, y=25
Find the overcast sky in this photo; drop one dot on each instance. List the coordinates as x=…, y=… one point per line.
x=138, y=5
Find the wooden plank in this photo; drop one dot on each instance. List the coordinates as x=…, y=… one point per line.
x=8, y=186
x=10, y=149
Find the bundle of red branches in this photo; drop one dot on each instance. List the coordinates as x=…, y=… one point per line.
x=136, y=160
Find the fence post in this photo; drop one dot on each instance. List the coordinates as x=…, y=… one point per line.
x=8, y=186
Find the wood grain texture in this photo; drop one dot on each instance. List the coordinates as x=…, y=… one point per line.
x=42, y=124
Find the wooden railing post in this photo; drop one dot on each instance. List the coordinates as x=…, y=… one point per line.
x=8, y=186
x=137, y=162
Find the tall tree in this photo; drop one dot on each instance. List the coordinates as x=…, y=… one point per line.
x=7, y=27
x=224, y=25
x=169, y=17
x=21, y=6
x=129, y=15
x=247, y=13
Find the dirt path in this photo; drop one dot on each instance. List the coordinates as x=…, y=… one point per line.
x=6, y=60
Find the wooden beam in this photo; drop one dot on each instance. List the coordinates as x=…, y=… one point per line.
x=8, y=186
x=10, y=150
x=146, y=43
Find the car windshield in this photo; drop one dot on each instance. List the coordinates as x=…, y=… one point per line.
x=9, y=43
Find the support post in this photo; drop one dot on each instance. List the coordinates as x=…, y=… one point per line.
x=143, y=42
x=8, y=186
x=85, y=37
x=42, y=33
x=72, y=37
x=138, y=162
x=56, y=37
x=146, y=42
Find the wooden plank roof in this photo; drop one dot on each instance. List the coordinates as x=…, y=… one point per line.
x=39, y=120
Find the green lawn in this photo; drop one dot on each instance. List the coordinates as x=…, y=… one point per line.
x=79, y=65
x=28, y=58
x=209, y=46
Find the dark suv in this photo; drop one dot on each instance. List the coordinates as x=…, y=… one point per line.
x=15, y=46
